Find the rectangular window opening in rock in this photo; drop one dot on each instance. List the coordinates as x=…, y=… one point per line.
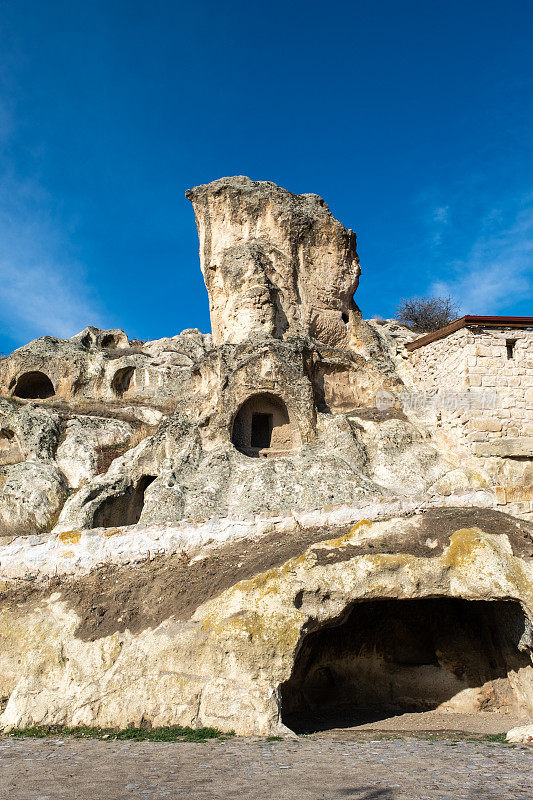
x=262, y=425
x=510, y=345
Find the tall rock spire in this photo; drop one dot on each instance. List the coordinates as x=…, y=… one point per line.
x=274, y=262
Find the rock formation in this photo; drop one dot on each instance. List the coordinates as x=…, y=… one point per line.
x=204, y=529
x=248, y=635
x=274, y=263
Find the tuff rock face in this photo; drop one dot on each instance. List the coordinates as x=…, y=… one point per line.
x=191, y=465
x=278, y=499
x=274, y=263
x=248, y=635
x=522, y=735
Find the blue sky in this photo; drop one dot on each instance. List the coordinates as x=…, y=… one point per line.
x=412, y=119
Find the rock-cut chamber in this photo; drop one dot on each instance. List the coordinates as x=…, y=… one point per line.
x=124, y=508
x=34, y=386
x=262, y=427
x=391, y=656
x=122, y=381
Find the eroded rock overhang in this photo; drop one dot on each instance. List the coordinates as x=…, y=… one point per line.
x=213, y=639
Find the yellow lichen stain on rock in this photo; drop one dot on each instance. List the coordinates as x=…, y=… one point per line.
x=390, y=561
x=340, y=541
x=469, y=545
x=361, y=524
x=518, y=575
x=277, y=580
x=67, y=554
x=70, y=537
x=279, y=631
x=345, y=539
x=463, y=546
x=268, y=581
x=256, y=620
x=258, y=582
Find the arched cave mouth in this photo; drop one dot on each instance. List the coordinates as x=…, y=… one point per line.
x=125, y=508
x=34, y=386
x=109, y=340
x=387, y=657
x=262, y=427
x=122, y=379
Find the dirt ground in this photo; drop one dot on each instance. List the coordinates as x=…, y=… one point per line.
x=361, y=724
x=321, y=767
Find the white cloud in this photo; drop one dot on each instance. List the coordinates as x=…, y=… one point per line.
x=498, y=271
x=42, y=287
x=438, y=221
x=440, y=214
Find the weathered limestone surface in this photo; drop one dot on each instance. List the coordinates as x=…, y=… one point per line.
x=340, y=449
x=274, y=263
x=78, y=552
x=45, y=453
x=32, y=493
x=226, y=659
x=523, y=735
x=180, y=517
x=106, y=367
x=195, y=482
x=84, y=439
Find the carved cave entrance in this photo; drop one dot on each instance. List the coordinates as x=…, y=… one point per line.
x=262, y=427
x=386, y=657
x=34, y=386
x=109, y=341
x=121, y=383
x=125, y=508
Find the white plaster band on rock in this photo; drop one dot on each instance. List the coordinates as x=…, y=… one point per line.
x=78, y=552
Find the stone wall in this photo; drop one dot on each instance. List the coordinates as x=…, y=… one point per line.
x=479, y=385
x=500, y=383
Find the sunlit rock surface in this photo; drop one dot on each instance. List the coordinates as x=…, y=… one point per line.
x=248, y=634
x=233, y=529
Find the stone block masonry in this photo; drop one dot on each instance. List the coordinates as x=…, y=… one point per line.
x=493, y=367
x=481, y=382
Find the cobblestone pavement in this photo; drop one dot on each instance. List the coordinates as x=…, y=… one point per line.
x=303, y=769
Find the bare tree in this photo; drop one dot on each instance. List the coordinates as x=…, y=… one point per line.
x=426, y=314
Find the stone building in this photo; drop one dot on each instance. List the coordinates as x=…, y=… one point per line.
x=487, y=363
x=474, y=380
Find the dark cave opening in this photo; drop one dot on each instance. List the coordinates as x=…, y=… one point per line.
x=387, y=657
x=34, y=386
x=125, y=508
x=262, y=426
x=122, y=380
x=261, y=435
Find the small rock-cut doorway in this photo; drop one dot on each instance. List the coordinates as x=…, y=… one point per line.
x=124, y=508
x=388, y=657
x=262, y=427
